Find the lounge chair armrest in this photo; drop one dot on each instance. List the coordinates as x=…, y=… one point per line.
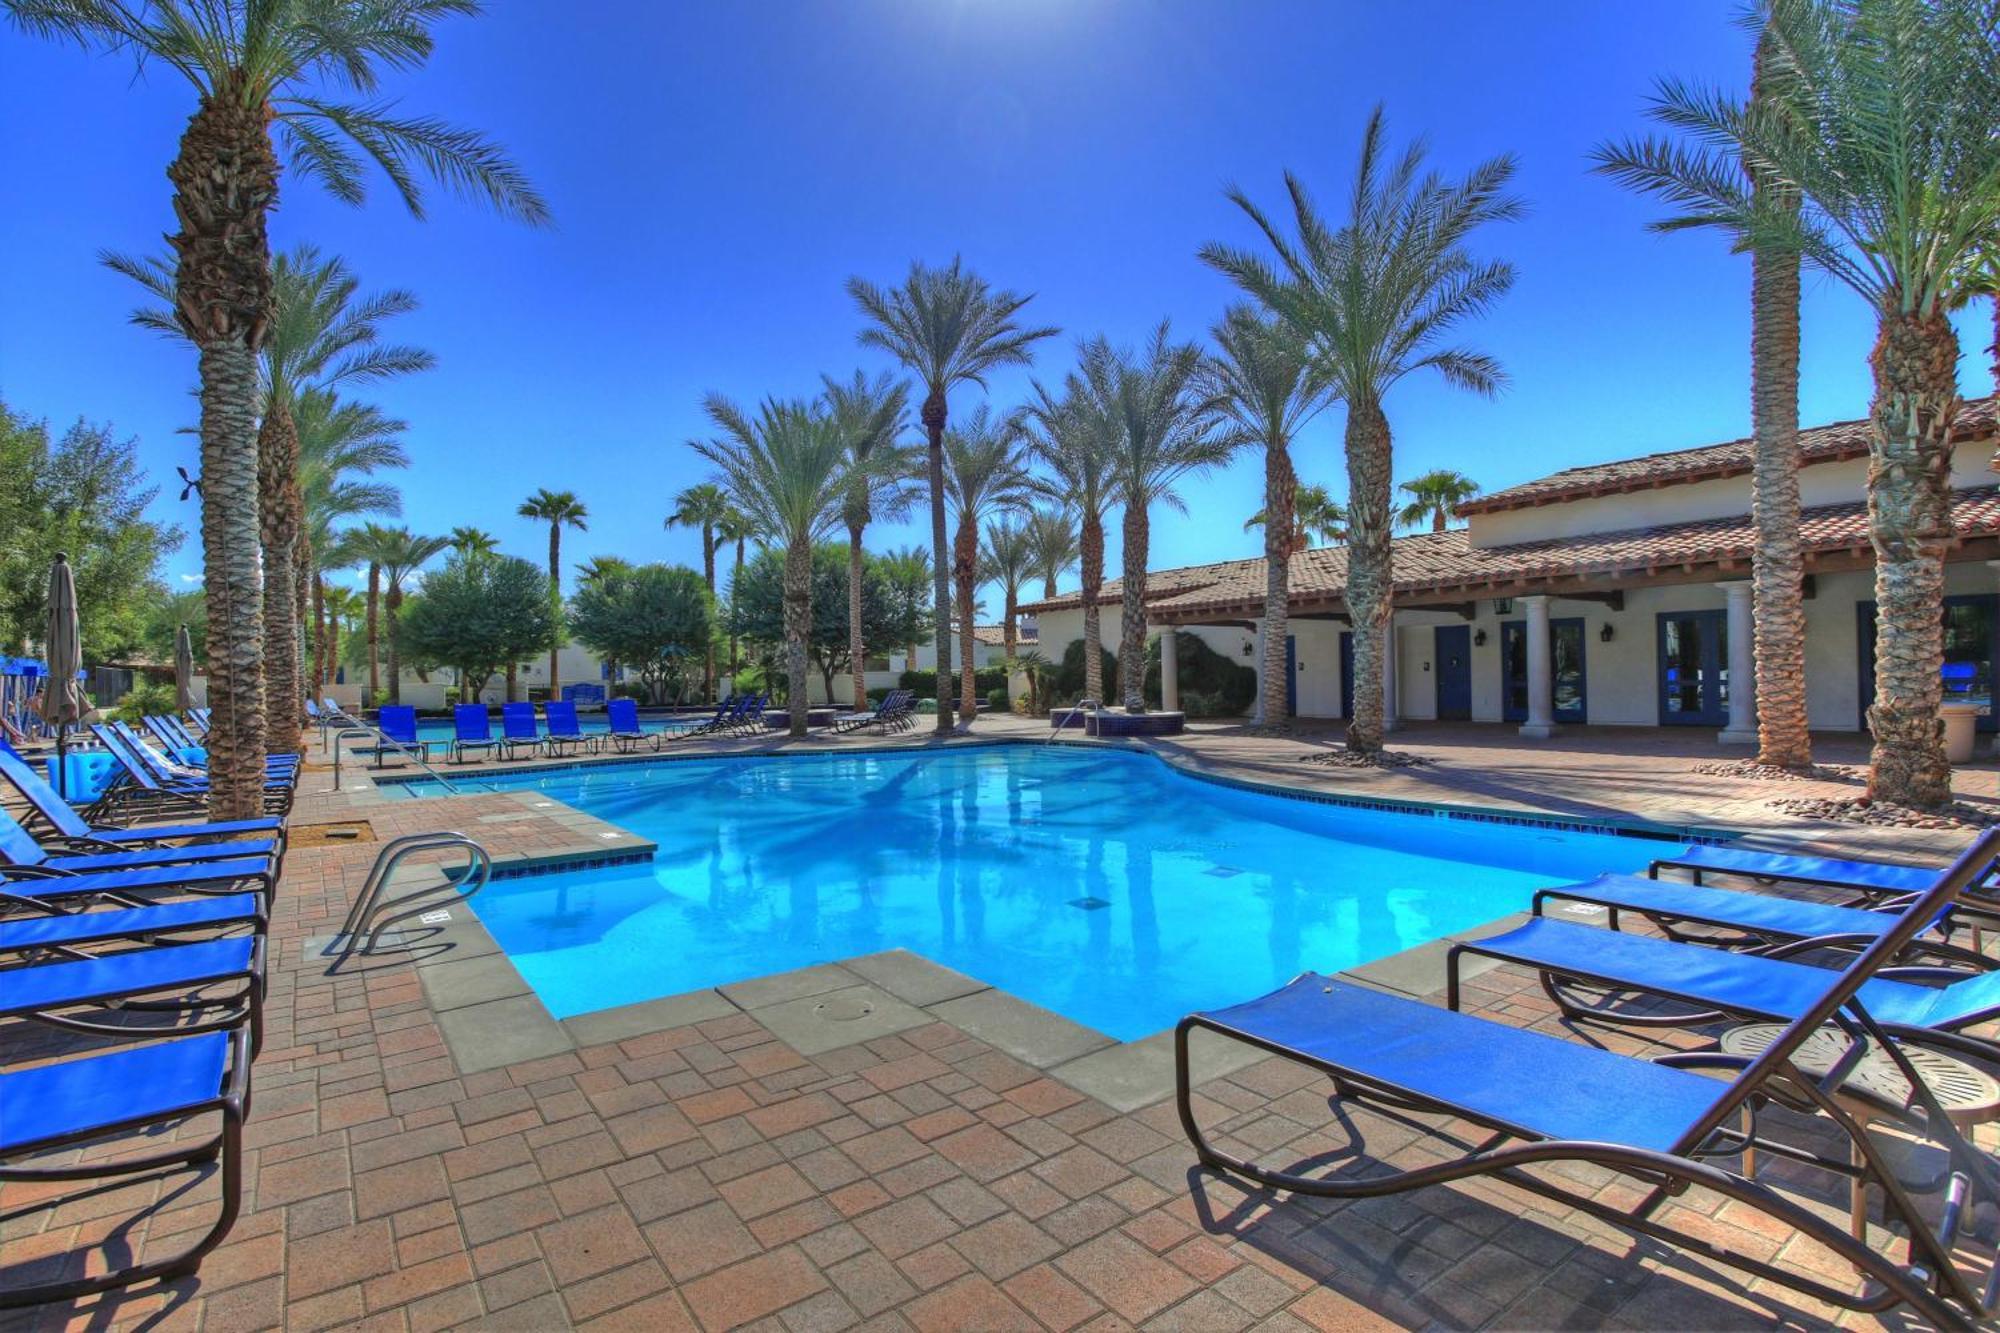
x=1919, y=972
x=36, y=872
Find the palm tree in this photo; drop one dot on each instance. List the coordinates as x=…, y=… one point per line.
x=1871, y=152
x=1435, y=498
x=341, y=446
x=871, y=416
x=703, y=506
x=987, y=471
x=1008, y=556
x=260, y=69
x=1315, y=514
x=558, y=509
x=1075, y=441
x=320, y=337
x=1374, y=300
x=470, y=543
x=402, y=554
x=948, y=328
x=1266, y=386
x=375, y=546
x=786, y=469
x=736, y=528
x=342, y=606
x=1052, y=541
x=1167, y=425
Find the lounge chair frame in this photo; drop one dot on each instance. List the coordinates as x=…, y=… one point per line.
x=232, y=1101
x=1931, y=1283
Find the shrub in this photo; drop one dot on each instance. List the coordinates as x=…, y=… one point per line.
x=996, y=700
x=1211, y=685
x=1067, y=685
x=984, y=680
x=146, y=696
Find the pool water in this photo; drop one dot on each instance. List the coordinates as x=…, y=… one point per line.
x=1100, y=884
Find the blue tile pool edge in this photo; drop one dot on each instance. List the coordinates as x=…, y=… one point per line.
x=1485, y=814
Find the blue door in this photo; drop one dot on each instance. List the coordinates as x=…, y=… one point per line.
x=1452, y=655
x=1568, y=684
x=1347, y=674
x=1291, y=675
x=1971, y=647
x=1694, y=668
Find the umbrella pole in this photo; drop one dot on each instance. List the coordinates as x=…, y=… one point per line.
x=62, y=764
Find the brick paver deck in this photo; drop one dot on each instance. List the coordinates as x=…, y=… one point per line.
x=710, y=1176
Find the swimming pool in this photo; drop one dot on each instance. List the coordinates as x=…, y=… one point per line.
x=441, y=728
x=1101, y=884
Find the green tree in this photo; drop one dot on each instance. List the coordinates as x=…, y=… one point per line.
x=558, y=509
x=704, y=506
x=947, y=327
x=1052, y=541
x=259, y=70
x=84, y=495
x=1872, y=152
x=479, y=615
x=870, y=415
x=1264, y=382
x=1165, y=426
x=166, y=611
x=1435, y=498
x=470, y=543
x=906, y=572
x=403, y=554
x=1315, y=514
x=657, y=619
x=786, y=470
x=1375, y=298
x=320, y=338
x=1008, y=558
x=758, y=608
x=342, y=445
x=986, y=472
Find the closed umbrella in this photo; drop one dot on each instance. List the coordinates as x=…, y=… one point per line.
x=63, y=702
x=183, y=670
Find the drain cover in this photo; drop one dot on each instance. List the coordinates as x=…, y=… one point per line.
x=840, y=1010
x=1223, y=872
x=1089, y=904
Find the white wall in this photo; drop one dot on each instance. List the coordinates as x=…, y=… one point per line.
x=1722, y=497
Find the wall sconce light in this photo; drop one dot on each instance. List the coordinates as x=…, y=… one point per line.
x=1479, y=638
x=1605, y=634
x=1249, y=649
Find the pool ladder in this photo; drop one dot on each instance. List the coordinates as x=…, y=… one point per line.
x=1056, y=724
x=384, y=741
x=372, y=913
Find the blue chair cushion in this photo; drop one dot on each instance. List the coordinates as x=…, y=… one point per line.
x=30, y=990
x=40, y=932
x=1535, y=1085
x=149, y=877
x=1725, y=907
x=1807, y=869
x=125, y=1086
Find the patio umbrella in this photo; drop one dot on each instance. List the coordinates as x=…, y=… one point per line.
x=183, y=670
x=63, y=703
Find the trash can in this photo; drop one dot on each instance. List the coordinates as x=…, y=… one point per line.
x=1960, y=720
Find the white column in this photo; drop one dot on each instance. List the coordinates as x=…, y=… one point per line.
x=1541, y=723
x=1170, y=670
x=1391, y=719
x=1742, y=728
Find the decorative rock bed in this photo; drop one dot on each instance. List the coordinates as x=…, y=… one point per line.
x=1752, y=771
x=1342, y=757
x=1882, y=814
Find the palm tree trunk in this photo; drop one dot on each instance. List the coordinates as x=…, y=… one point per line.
x=1909, y=524
x=513, y=682
x=798, y=626
x=1368, y=564
x=1777, y=567
x=965, y=572
x=320, y=652
x=374, y=641
x=708, y=573
x=392, y=606
x=305, y=576
x=934, y=417
x=856, y=648
x=1091, y=557
x=735, y=578
x=1280, y=517
x=1048, y=587
x=277, y=472
x=1132, y=620
x=1439, y=518
x=1011, y=604
x=225, y=177
x=332, y=645
x=555, y=601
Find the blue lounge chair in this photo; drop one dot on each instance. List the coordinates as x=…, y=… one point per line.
x=37, y=889
x=138, y=1092
x=57, y=930
x=168, y=764
x=472, y=729
x=1544, y=1101
x=177, y=979
x=886, y=715
x=750, y=722
x=518, y=731
x=19, y=851
x=149, y=785
x=168, y=733
x=76, y=834
x=725, y=712
x=1870, y=879
x=565, y=732
x=397, y=724
x=622, y=721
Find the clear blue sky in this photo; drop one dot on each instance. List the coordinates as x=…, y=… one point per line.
x=717, y=172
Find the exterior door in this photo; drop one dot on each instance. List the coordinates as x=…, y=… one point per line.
x=1347, y=674
x=1569, y=683
x=1971, y=624
x=1694, y=668
x=1452, y=654
x=1291, y=675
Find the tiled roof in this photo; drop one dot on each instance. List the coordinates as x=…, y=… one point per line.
x=1446, y=562
x=1820, y=444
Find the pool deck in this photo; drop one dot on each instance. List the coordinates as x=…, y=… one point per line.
x=877, y=1142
